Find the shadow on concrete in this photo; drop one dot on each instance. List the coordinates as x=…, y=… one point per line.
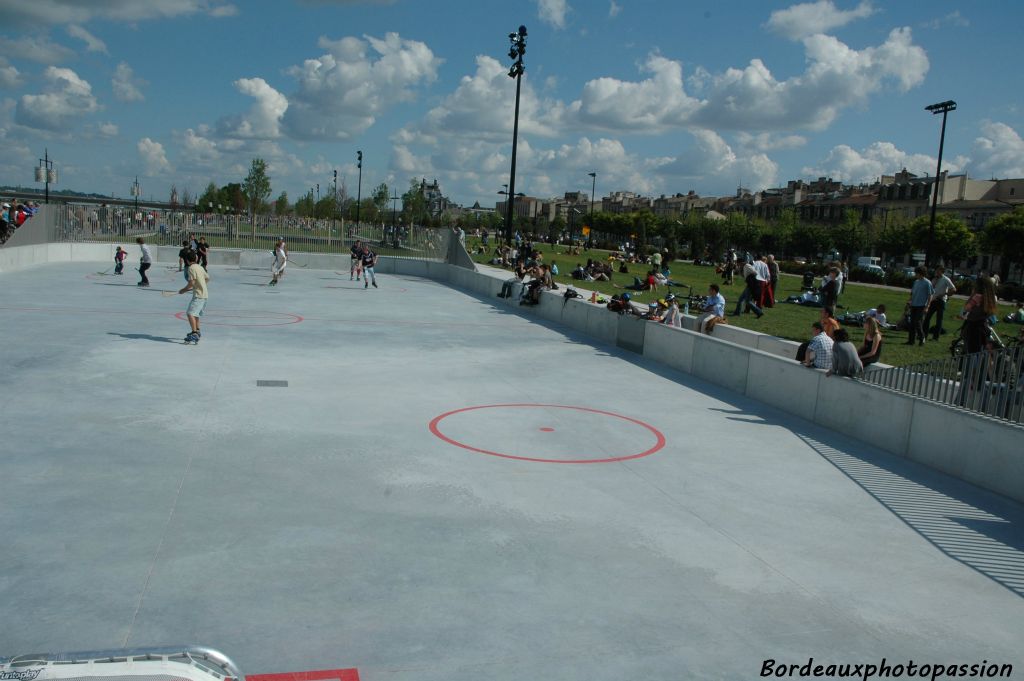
x=144, y=336
x=979, y=529
x=974, y=527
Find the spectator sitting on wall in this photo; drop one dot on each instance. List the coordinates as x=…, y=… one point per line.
x=845, y=361
x=871, y=349
x=508, y=286
x=673, y=317
x=817, y=353
x=543, y=282
x=713, y=312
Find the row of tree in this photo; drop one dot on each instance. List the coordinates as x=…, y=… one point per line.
x=786, y=236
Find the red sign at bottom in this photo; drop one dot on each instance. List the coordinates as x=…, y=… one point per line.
x=323, y=675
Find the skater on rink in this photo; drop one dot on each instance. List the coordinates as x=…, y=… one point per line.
x=357, y=254
x=197, y=280
x=369, y=259
x=280, y=261
x=145, y=261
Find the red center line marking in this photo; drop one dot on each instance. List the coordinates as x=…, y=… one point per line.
x=334, y=674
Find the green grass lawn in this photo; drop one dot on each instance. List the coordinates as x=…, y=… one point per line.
x=784, y=320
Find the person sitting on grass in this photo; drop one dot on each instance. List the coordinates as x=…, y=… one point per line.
x=871, y=349
x=845, y=360
x=829, y=322
x=816, y=353
x=878, y=314
x=713, y=311
x=581, y=273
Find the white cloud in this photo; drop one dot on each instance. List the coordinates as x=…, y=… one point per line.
x=222, y=11
x=879, y=158
x=10, y=77
x=768, y=142
x=37, y=48
x=652, y=105
x=108, y=130
x=342, y=93
x=153, y=157
x=33, y=12
x=951, y=19
x=264, y=119
x=712, y=162
x=66, y=98
x=125, y=85
x=837, y=77
x=553, y=12
x=198, y=149
x=999, y=151
x=800, y=21
x=614, y=9
x=92, y=43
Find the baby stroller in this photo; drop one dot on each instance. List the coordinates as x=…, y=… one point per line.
x=808, y=282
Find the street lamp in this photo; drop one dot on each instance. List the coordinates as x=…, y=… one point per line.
x=394, y=213
x=516, y=52
x=135, y=192
x=359, y=189
x=593, y=186
x=943, y=108
x=45, y=172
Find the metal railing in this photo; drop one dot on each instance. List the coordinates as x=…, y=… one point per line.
x=260, y=232
x=989, y=382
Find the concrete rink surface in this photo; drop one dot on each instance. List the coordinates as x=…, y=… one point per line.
x=445, y=489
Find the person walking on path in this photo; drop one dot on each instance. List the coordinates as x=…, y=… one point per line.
x=145, y=262
x=919, y=297
x=197, y=281
x=750, y=294
x=943, y=288
x=369, y=260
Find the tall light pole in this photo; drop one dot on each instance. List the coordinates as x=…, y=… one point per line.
x=516, y=52
x=394, y=210
x=359, y=188
x=593, y=186
x=943, y=108
x=45, y=172
x=135, y=192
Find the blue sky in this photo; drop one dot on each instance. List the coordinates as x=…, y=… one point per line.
x=655, y=97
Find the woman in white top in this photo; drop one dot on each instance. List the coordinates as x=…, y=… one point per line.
x=280, y=261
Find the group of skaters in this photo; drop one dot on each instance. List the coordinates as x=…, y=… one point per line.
x=193, y=260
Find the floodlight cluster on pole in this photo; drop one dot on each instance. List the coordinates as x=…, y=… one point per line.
x=45, y=172
x=359, y=188
x=940, y=108
x=516, y=51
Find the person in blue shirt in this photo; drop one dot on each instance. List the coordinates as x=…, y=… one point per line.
x=920, y=295
x=714, y=309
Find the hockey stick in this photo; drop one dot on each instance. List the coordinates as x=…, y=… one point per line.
x=168, y=294
x=107, y=271
x=297, y=264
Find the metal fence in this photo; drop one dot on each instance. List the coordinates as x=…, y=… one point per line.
x=990, y=382
x=304, y=235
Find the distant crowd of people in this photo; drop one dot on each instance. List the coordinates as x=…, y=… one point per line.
x=13, y=215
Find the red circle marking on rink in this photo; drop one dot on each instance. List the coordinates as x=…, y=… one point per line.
x=436, y=430
x=280, y=318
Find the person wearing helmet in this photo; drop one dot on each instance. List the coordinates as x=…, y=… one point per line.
x=672, y=315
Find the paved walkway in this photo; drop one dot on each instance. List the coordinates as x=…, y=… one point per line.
x=447, y=490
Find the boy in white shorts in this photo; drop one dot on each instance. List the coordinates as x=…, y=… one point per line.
x=197, y=280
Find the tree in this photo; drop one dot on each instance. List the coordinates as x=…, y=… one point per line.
x=186, y=197
x=256, y=186
x=1005, y=236
x=209, y=196
x=414, y=204
x=895, y=240
x=281, y=205
x=810, y=240
x=304, y=206
x=379, y=198
x=849, y=237
x=953, y=240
